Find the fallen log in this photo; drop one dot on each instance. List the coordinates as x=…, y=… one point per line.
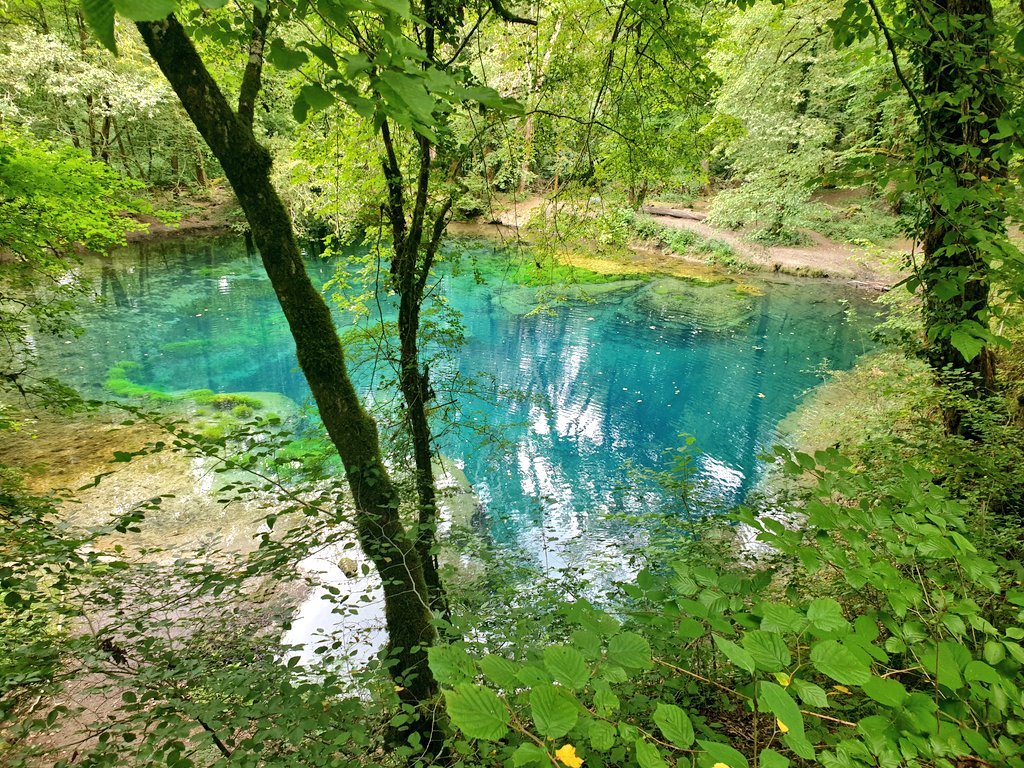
x=674, y=213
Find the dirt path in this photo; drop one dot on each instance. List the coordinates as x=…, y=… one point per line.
x=821, y=258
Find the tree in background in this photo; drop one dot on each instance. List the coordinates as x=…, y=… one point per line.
x=57, y=82
x=52, y=200
x=809, y=112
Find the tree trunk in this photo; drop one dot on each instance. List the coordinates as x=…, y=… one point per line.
x=410, y=274
x=536, y=85
x=246, y=164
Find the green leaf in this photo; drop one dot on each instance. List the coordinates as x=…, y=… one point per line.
x=776, y=617
x=1018, y=43
x=776, y=700
x=832, y=659
x=554, y=711
x=826, y=615
x=979, y=670
x=994, y=652
x=99, y=15
x=528, y=754
x=648, y=756
x=690, y=629
x=477, y=712
x=567, y=666
x=675, y=724
x=607, y=703
x=810, y=694
x=966, y=344
x=738, y=656
x=768, y=650
x=316, y=97
x=885, y=691
x=602, y=735
x=501, y=672
x=450, y=664
x=145, y=10
x=716, y=752
x=284, y=58
x=411, y=93
x=629, y=650
x=769, y=758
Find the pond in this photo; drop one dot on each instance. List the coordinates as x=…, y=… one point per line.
x=557, y=404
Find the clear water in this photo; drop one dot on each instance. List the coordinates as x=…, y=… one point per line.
x=602, y=386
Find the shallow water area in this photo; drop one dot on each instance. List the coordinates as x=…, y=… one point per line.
x=557, y=394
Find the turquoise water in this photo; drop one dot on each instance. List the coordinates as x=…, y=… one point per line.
x=568, y=400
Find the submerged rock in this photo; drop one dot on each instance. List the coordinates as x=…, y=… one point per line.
x=526, y=299
x=718, y=307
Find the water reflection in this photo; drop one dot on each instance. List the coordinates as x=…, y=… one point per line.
x=584, y=393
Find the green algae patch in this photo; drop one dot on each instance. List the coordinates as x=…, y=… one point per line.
x=526, y=300
x=718, y=307
x=118, y=382
x=748, y=289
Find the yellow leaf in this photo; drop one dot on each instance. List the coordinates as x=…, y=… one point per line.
x=842, y=688
x=567, y=755
x=783, y=678
x=720, y=765
x=782, y=726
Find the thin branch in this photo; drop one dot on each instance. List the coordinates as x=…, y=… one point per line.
x=213, y=734
x=890, y=44
x=510, y=17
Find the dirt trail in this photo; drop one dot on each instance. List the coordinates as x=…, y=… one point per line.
x=821, y=258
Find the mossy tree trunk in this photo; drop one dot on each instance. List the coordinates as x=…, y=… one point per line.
x=246, y=164
x=960, y=106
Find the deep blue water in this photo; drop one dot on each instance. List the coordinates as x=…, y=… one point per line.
x=568, y=400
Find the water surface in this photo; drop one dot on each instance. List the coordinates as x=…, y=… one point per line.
x=567, y=402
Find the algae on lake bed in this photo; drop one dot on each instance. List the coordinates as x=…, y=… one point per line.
x=719, y=307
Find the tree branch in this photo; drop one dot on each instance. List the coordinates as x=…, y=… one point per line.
x=891, y=45
x=510, y=17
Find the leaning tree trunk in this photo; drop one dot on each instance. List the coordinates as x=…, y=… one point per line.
x=959, y=112
x=246, y=164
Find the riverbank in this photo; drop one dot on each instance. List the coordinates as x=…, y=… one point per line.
x=871, y=267
x=209, y=213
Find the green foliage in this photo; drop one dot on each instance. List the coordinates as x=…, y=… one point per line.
x=912, y=654
x=687, y=243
